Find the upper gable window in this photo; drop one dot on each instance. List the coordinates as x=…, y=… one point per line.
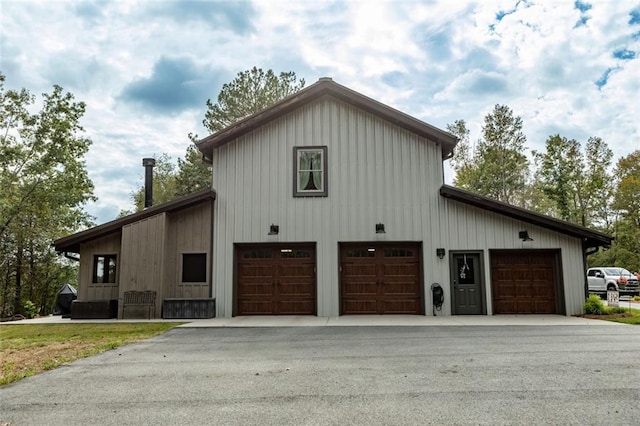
x=310, y=171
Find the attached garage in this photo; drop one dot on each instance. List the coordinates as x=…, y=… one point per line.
x=275, y=279
x=381, y=278
x=526, y=282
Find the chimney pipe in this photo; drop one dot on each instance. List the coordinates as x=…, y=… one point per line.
x=148, y=164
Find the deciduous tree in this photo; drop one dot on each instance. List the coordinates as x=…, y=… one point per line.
x=44, y=187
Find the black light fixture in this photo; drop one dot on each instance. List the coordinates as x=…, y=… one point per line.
x=380, y=228
x=440, y=252
x=524, y=236
x=274, y=230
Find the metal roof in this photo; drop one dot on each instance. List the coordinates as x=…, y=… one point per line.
x=589, y=237
x=71, y=243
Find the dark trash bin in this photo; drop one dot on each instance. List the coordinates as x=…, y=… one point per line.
x=66, y=295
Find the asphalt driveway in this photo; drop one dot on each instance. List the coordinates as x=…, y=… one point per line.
x=345, y=375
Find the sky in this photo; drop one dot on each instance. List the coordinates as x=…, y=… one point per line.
x=145, y=69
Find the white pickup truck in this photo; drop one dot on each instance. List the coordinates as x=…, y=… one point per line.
x=604, y=278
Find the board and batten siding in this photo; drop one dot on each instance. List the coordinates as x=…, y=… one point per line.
x=189, y=232
x=87, y=290
x=377, y=173
x=142, y=260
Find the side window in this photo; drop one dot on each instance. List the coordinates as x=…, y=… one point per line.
x=104, y=269
x=194, y=267
x=310, y=171
x=591, y=273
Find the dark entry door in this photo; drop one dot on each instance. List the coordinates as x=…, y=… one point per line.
x=467, y=284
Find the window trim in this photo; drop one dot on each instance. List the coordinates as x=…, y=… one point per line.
x=325, y=181
x=206, y=268
x=94, y=269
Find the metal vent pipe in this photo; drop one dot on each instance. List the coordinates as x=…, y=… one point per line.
x=148, y=164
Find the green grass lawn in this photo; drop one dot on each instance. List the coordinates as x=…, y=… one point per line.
x=27, y=349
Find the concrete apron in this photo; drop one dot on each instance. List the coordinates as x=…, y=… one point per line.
x=353, y=321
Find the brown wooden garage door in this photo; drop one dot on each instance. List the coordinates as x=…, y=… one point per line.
x=380, y=279
x=276, y=279
x=524, y=282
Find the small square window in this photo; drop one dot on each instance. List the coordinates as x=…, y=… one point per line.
x=194, y=267
x=310, y=171
x=104, y=269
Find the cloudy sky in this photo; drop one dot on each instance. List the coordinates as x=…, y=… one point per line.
x=146, y=68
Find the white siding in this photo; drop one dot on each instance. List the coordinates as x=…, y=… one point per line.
x=377, y=172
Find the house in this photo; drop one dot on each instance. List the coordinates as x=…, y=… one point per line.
x=330, y=203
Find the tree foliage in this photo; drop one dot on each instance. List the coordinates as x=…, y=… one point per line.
x=250, y=92
x=45, y=184
x=499, y=168
x=569, y=181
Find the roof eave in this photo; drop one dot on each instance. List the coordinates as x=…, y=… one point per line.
x=590, y=237
x=323, y=87
x=71, y=243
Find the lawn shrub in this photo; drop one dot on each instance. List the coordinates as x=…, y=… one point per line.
x=615, y=310
x=594, y=306
x=30, y=310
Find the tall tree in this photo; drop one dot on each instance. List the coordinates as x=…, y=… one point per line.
x=45, y=185
x=251, y=91
x=500, y=168
x=579, y=185
x=627, y=195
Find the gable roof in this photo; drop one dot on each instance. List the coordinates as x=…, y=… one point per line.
x=71, y=243
x=589, y=237
x=326, y=86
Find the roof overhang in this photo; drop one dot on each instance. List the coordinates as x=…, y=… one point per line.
x=71, y=243
x=589, y=237
x=327, y=87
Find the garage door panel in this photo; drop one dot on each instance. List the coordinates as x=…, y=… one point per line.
x=359, y=270
x=400, y=306
x=366, y=288
x=524, y=282
x=295, y=288
x=275, y=279
x=379, y=278
x=360, y=306
x=400, y=270
x=295, y=307
x=256, y=289
x=401, y=288
x=255, y=307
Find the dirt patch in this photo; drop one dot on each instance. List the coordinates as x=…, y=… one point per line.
x=39, y=357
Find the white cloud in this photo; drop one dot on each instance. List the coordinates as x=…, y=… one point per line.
x=145, y=68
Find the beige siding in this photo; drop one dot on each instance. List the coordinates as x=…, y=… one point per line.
x=189, y=232
x=377, y=172
x=87, y=290
x=142, y=259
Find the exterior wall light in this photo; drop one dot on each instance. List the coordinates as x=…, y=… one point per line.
x=440, y=252
x=380, y=228
x=274, y=230
x=524, y=236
